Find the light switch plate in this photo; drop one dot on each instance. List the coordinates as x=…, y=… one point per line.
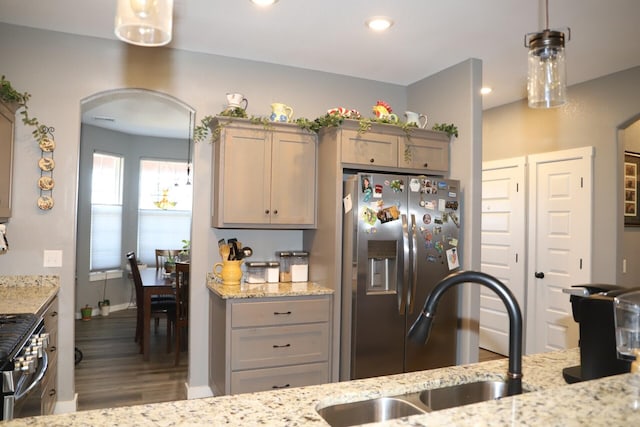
x=52, y=258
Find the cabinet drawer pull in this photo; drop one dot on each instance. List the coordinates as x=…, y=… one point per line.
x=281, y=386
x=52, y=392
x=52, y=348
x=281, y=346
x=54, y=314
x=281, y=313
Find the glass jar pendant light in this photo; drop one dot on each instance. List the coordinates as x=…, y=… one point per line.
x=144, y=22
x=547, y=72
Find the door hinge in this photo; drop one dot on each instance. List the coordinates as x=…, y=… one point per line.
x=516, y=258
x=580, y=263
x=581, y=182
x=517, y=187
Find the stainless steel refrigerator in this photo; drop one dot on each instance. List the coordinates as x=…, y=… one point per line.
x=400, y=238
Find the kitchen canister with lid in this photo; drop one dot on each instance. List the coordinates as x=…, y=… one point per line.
x=300, y=266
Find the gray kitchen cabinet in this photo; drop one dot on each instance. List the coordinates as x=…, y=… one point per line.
x=265, y=176
x=389, y=148
x=269, y=343
x=7, y=121
x=48, y=391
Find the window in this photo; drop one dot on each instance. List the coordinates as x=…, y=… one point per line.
x=106, y=212
x=164, y=207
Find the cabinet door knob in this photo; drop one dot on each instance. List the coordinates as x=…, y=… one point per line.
x=266, y=211
x=539, y=275
x=426, y=165
x=275, y=212
x=372, y=161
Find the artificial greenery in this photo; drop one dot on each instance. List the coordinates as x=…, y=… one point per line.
x=450, y=129
x=11, y=96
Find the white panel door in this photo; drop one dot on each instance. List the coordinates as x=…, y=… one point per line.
x=560, y=200
x=503, y=245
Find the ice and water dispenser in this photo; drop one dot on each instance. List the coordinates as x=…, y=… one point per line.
x=382, y=259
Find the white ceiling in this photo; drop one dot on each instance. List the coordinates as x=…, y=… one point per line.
x=330, y=35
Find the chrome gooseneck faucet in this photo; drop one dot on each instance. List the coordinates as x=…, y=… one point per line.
x=421, y=328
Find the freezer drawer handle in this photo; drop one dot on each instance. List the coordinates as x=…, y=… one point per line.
x=539, y=275
x=281, y=346
x=278, y=313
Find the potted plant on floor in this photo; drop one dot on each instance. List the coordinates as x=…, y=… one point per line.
x=104, y=305
x=86, y=312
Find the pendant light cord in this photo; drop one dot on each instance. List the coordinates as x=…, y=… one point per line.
x=190, y=130
x=546, y=12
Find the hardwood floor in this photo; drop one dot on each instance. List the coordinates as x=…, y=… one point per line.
x=485, y=355
x=112, y=372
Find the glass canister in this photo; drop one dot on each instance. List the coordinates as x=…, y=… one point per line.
x=285, y=265
x=300, y=266
x=273, y=271
x=256, y=272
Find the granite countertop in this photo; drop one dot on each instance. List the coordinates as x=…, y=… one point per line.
x=261, y=290
x=550, y=401
x=27, y=294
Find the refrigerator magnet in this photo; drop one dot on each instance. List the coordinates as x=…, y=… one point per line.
x=414, y=185
x=452, y=258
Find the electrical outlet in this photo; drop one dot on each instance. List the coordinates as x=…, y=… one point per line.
x=52, y=258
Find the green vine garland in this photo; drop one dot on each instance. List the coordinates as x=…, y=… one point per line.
x=11, y=96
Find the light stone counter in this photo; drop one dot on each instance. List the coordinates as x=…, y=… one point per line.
x=27, y=294
x=262, y=290
x=612, y=401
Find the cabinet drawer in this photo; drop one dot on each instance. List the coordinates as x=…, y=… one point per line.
x=276, y=378
x=369, y=149
x=49, y=395
x=280, y=312
x=279, y=345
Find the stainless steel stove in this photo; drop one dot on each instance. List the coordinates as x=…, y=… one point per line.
x=23, y=359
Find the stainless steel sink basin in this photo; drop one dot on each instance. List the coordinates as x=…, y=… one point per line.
x=463, y=394
x=387, y=408
x=370, y=411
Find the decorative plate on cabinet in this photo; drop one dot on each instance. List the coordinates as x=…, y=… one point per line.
x=46, y=183
x=47, y=144
x=46, y=164
x=45, y=202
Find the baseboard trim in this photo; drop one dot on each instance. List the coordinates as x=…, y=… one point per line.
x=66, y=406
x=198, y=392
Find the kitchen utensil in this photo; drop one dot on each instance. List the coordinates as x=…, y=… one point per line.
x=246, y=252
x=233, y=255
x=225, y=251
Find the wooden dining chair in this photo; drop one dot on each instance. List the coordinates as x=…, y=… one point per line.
x=163, y=255
x=179, y=315
x=160, y=304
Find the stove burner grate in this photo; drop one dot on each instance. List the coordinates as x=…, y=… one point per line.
x=15, y=329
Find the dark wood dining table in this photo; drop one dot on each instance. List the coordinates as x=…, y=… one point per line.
x=154, y=282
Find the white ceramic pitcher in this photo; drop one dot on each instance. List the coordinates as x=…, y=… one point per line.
x=235, y=100
x=417, y=119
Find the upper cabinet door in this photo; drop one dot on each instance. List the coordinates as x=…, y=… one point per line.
x=293, y=179
x=369, y=148
x=242, y=189
x=424, y=153
x=7, y=119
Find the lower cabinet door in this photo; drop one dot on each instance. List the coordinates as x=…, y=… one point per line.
x=276, y=378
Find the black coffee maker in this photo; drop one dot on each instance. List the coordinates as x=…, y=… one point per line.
x=592, y=307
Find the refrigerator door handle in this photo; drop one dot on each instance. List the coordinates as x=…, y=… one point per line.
x=402, y=288
x=414, y=264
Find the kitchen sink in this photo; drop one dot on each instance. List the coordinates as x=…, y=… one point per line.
x=421, y=402
x=372, y=410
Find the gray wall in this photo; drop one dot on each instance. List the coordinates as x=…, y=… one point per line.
x=595, y=111
x=133, y=148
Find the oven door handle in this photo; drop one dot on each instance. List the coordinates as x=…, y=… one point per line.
x=42, y=369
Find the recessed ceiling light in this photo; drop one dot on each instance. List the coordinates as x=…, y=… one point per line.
x=263, y=3
x=485, y=90
x=379, y=23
